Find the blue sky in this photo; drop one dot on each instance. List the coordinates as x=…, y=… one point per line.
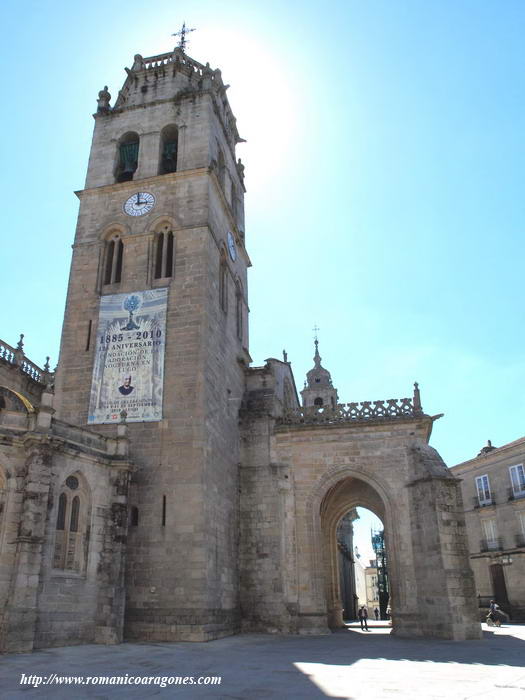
x=384, y=168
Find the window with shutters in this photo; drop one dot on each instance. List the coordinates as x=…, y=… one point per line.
x=127, y=157
x=483, y=489
x=517, y=479
x=72, y=521
x=490, y=533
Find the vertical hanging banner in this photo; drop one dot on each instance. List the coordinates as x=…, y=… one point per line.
x=128, y=374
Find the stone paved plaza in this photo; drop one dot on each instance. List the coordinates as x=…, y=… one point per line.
x=348, y=664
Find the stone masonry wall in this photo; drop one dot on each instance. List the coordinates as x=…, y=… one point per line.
x=330, y=469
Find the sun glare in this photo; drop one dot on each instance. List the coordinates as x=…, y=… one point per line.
x=261, y=93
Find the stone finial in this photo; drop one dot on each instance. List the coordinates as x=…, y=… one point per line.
x=488, y=448
x=48, y=377
x=19, y=352
x=317, y=357
x=103, y=101
x=417, y=399
x=285, y=356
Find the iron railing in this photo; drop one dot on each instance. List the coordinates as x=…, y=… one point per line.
x=495, y=545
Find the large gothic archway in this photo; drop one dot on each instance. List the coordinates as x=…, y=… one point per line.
x=348, y=493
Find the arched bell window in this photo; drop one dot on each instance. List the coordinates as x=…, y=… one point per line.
x=114, y=256
x=72, y=525
x=127, y=157
x=164, y=253
x=318, y=401
x=169, y=146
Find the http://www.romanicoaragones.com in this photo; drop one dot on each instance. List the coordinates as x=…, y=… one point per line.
x=161, y=681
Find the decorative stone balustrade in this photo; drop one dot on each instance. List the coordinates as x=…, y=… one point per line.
x=16, y=357
x=389, y=409
x=166, y=59
x=34, y=372
x=7, y=353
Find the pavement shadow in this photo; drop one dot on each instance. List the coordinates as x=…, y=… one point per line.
x=493, y=650
x=251, y=665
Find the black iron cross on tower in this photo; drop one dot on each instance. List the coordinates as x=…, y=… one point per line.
x=182, y=34
x=315, y=329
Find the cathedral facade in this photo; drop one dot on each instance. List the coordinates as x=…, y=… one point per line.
x=157, y=486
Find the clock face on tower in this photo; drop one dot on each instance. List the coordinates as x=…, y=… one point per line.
x=231, y=246
x=139, y=204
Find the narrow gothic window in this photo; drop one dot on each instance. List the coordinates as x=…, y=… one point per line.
x=134, y=519
x=110, y=254
x=222, y=169
x=61, y=516
x=238, y=310
x=164, y=244
x=128, y=157
x=118, y=266
x=234, y=203
x=169, y=149
x=223, y=282
x=114, y=259
x=74, y=514
x=71, y=526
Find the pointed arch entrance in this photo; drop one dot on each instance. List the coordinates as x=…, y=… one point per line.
x=337, y=492
x=347, y=494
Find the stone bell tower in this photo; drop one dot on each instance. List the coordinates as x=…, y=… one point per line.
x=318, y=388
x=156, y=334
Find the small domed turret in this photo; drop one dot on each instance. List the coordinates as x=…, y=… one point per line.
x=318, y=389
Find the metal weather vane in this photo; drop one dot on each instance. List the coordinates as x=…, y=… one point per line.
x=183, y=41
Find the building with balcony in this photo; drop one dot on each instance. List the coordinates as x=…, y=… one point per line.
x=493, y=487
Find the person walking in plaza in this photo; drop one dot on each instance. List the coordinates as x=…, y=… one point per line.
x=376, y=613
x=362, y=614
